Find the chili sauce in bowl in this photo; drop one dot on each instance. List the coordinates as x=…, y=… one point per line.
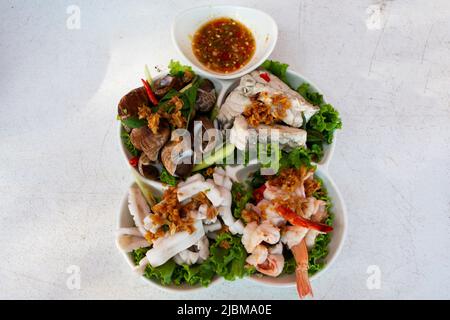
x=223, y=45
x=231, y=40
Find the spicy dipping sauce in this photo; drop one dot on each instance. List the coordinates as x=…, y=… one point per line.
x=223, y=45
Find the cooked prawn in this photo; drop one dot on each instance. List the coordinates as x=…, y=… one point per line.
x=300, y=253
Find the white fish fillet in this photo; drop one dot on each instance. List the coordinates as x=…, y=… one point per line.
x=287, y=137
x=252, y=84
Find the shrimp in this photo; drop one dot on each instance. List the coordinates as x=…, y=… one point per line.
x=297, y=220
x=254, y=234
x=300, y=253
x=273, y=266
x=258, y=256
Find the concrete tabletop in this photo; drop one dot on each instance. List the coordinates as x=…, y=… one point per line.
x=63, y=67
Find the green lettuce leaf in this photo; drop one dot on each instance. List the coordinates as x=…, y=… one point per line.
x=177, y=69
x=289, y=262
x=138, y=254
x=295, y=158
x=127, y=143
x=167, y=178
x=133, y=122
x=241, y=195
x=312, y=96
x=326, y=121
x=189, y=96
x=277, y=68
x=163, y=273
x=197, y=274
x=228, y=257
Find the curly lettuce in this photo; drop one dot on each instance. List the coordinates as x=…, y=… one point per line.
x=227, y=259
x=167, y=178
x=228, y=256
x=241, y=195
x=296, y=158
x=322, y=125
x=177, y=69
x=318, y=253
x=127, y=143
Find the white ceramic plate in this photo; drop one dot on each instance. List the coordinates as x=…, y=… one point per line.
x=262, y=25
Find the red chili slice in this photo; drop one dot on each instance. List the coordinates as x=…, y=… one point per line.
x=297, y=220
x=258, y=194
x=150, y=93
x=134, y=161
x=265, y=76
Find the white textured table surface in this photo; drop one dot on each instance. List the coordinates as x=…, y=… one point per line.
x=62, y=176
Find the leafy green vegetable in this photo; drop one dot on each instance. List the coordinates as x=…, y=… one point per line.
x=127, y=143
x=163, y=273
x=133, y=122
x=167, y=178
x=177, y=69
x=296, y=158
x=241, y=195
x=257, y=180
x=138, y=254
x=189, y=96
x=315, y=150
x=196, y=274
x=169, y=95
x=320, y=250
x=228, y=257
x=289, y=262
x=277, y=68
x=325, y=121
x=312, y=96
x=322, y=125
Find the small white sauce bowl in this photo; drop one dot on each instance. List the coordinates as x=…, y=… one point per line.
x=263, y=27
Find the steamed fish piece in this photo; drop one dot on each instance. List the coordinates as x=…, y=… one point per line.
x=287, y=137
x=252, y=84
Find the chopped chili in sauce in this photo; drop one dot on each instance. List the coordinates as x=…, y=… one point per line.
x=223, y=45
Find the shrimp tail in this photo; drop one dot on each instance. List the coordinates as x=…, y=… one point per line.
x=300, y=252
x=303, y=284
